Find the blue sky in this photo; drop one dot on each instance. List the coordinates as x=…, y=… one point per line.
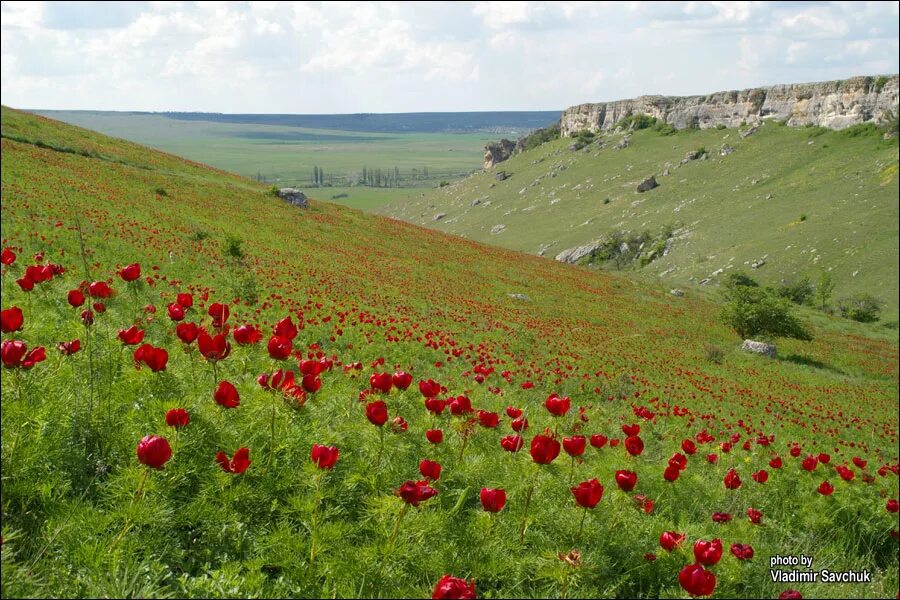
x=315, y=57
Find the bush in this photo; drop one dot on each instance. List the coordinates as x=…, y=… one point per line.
x=720, y=126
x=798, y=292
x=161, y=192
x=714, y=354
x=538, y=137
x=233, y=247
x=638, y=121
x=739, y=279
x=756, y=313
x=664, y=128
x=198, y=235
x=864, y=308
x=273, y=190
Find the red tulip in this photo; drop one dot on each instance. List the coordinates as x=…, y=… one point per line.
x=557, y=406
x=732, y=480
x=435, y=406
x=75, y=298
x=634, y=445
x=754, y=515
x=742, y=551
x=155, y=358
x=776, y=462
x=512, y=443
x=671, y=473
x=575, y=445
x=280, y=347
x=131, y=336
x=892, y=506
x=712, y=458
x=7, y=257
x=381, y=382
x=177, y=418
x=453, y=587
x=679, y=461
x=154, y=451
x=130, y=273
x=185, y=300
x=99, y=289
x=237, y=464
x=227, y=395
x=689, y=447
x=513, y=412
x=544, y=449
x=721, y=517
x=598, y=440
x=488, y=419
x=630, y=430
x=824, y=458
x=460, y=405
x=429, y=388
x=845, y=473
x=859, y=462
x=708, y=552
x=588, y=493
x=493, y=500
x=761, y=476
x=414, y=492
x=826, y=489
x=401, y=380
x=219, y=313
x=696, y=580
x=435, y=436
x=285, y=328
x=626, y=480
x=213, y=348
x=11, y=319
x=324, y=457
x=246, y=335
x=175, y=311
x=377, y=412
x=670, y=540
x=809, y=463
x=795, y=451
x=519, y=425
x=430, y=469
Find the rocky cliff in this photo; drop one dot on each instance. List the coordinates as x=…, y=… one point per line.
x=832, y=104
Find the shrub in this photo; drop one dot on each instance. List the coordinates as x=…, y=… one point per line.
x=863, y=307
x=714, y=354
x=198, y=235
x=824, y=289
x=273, y=190
x=638, y=121
x=444, y=184
x=756, y=313
x=233, y=247
x=798, y=292
x=739, y=279
x=720, y=126
x=161, y=192
x=664, y=128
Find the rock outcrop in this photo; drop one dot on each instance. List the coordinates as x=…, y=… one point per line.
x=647, y=184
x=293, y=196
x=759, y=348
x=832, y=104
x=497, y=152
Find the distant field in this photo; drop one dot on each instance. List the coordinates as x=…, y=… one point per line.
x=423, y=149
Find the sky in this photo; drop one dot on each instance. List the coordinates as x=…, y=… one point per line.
x=346, y=57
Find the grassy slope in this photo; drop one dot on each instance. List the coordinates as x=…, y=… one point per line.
x=846, y=187
x=371, y=288
x=226, y=146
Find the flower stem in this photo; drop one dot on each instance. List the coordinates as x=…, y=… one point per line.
x=527, y=503
x=315, y=518
x=581, y=526
x=380, y=449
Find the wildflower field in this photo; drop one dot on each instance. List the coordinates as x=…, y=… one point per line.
x=209, y=392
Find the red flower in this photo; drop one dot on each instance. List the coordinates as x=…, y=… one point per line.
x=219, y=313
x=429, y=388
x=721, y=517
x=776, y=462
x=285, y=328
x=280, y=347
x=87, y=317
x=598, y=440
x=708, y=552
x=761, y=476
x=488, y=419
x=214, y=347
x=227, y=395
x=795, y=451
x=826, y=489
x=632, y=429
x=859, y=462
x=187, y=332
x=679, y=461
x=634, y=445
x=742, y=551
x=824, y=458
x=696, y=580
x=544, y=449
x=414, y=492
x=453, y=587
x=131, y=272
x=11, y=319
x=237, y=464
x=399, y=425
x=185, y=300
x=557, y=406
x=689, y=447
x=75, y=298
x=493, y=500
x=671, y=473
x=131, y=336
x=460, y=405
x=99, y=289
x=670, y=540
x=754, y=515
x=7, y=257
x=626, y=480
x=377, y=412
x=512, y=443
x=246, y=335
x=381, y=382
x=435, y=436
x=513, y=412
x=430, y=469
x=588, y=493
x=154, y=451
x=69, y=348
x=809, y=463
x=712, y=458
x=845, y=473
x=892, y=506
x=177, y=418
x=575, y=445
x=155, y=358
x=175, y=311
x=790, y=595
x=435, y=406
x=732, y=480
x=401, y=380
x=324, y=457
x=519, y=425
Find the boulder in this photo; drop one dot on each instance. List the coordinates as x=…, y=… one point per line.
x=725, y=150
x=624, y=143
x=678, y=293
x=294, y=197
x=439, y=216
x=647, y=184
x=501, y=176
x=573, y=255
x=759, y=348
x=497, y=229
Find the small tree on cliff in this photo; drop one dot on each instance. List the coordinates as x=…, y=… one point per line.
x=755, y=312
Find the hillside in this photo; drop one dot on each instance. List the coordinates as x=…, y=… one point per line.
x=801, y=200
x=369, y=296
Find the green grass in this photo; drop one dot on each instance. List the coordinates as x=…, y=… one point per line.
x=391, y=295
x=730, y=210
x=286, y=154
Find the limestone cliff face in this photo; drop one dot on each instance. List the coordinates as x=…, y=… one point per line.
x=832, y=104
